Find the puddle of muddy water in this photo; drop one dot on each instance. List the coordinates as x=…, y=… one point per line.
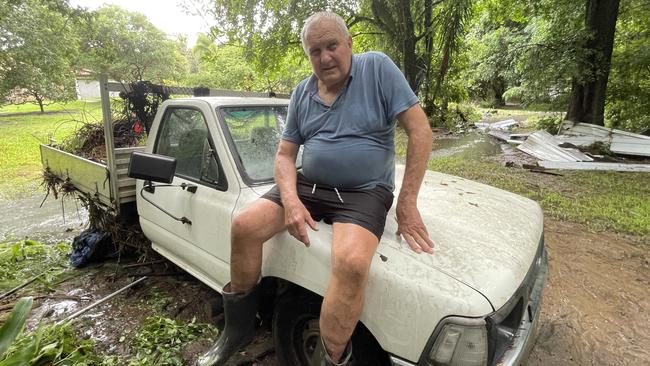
x=56, y=220
x=466, y=145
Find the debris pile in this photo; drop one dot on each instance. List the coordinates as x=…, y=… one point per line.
x=578, y=146
x=88, y=141
x=620, y=142
x=127, y=238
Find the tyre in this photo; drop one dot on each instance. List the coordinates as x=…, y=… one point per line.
x=296, y=331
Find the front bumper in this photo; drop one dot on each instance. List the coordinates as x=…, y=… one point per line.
x=528, y=327
x=517, y=352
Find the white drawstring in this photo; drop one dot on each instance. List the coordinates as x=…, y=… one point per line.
x=313, y=190
x=339, y=196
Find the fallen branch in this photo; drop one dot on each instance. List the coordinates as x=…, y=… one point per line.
x=22, y=285
x=539, y=169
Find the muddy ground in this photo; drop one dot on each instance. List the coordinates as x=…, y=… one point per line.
x=596, y=305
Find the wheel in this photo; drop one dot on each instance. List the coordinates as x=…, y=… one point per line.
x=296, y=331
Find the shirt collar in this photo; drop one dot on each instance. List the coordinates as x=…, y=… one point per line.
x=353, y=67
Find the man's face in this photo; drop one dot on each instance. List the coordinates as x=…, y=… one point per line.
x=330, y=52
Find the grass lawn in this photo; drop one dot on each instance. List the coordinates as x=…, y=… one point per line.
x=23, y=128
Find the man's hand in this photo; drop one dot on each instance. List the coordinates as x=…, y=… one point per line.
x=295, y=213
x=409, y=221
x=295, y=217
x=412, y=229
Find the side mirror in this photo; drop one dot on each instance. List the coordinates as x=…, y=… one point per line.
x=152, y=167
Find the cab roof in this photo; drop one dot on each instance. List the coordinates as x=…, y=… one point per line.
x=242, y=101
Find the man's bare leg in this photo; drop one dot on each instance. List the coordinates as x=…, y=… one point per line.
x=250, y=229
x=353, y=248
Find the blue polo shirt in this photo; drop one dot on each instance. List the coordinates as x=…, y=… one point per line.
x=350, y=144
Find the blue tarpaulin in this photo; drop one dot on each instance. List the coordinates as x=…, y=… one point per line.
x=90, y=245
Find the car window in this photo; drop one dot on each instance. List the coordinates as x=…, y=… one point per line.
x=184, y=135
x=255, y=132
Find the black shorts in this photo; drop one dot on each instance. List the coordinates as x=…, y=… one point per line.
x=366, y=208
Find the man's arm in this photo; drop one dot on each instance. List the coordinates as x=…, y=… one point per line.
x=295, y=213
x=409, y=221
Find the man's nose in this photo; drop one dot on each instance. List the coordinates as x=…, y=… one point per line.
x=325, y=57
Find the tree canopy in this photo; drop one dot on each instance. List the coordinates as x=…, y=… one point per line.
x=225, y=66
x=38, y=50
x=537, y=52
x=628, y=91
x=420, y=35
x=127, y=47
x=540, y=52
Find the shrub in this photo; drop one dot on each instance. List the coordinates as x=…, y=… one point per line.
x=551, y=124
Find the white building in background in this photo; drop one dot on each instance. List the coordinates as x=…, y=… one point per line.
x=87, y=89
x=87, y=85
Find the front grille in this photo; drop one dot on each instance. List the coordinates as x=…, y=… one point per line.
x=503, y=325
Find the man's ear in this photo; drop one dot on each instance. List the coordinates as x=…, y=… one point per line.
x=349, y=41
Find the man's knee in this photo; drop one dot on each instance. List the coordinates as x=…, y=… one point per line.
x=353, y=248
x=257, y=222
x=351, y=267
x=240, y=226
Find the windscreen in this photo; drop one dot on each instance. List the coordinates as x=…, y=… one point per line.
x=256, y=132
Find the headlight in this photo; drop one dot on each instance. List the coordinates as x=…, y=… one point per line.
x=462, y=341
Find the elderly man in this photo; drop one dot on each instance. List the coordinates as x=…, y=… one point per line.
x=344, y=117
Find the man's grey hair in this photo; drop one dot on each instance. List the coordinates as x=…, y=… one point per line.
x=322, y=15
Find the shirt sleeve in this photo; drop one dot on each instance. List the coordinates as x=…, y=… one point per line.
x=291, y=131
x=396, y=91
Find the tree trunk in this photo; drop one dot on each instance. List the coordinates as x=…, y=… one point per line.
x=499, y=87
x=498, y=100
x=428, y=54
x=395, y=19
x=408, y=45
x=587, y=102
x=39, y=100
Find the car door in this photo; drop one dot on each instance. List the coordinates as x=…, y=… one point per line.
x=200, y=244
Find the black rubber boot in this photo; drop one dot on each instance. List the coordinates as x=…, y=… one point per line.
x=322, y=358
x=240, y=310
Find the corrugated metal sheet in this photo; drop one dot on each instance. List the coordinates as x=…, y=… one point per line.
x=543, y=146
x=621, y=142
x=566, y=165
x=501, y=125
x=504, y=125
x=500, y=135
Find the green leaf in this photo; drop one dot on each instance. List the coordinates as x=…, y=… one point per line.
x=21, y=357
x=15, y=323
x=15, y=250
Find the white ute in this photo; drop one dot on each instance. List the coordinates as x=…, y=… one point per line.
x=475, y=301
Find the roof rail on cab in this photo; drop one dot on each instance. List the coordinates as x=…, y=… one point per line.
x=194, y=91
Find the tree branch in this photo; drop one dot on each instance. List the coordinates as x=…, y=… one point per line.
x=358, y=19
x=364, y=33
